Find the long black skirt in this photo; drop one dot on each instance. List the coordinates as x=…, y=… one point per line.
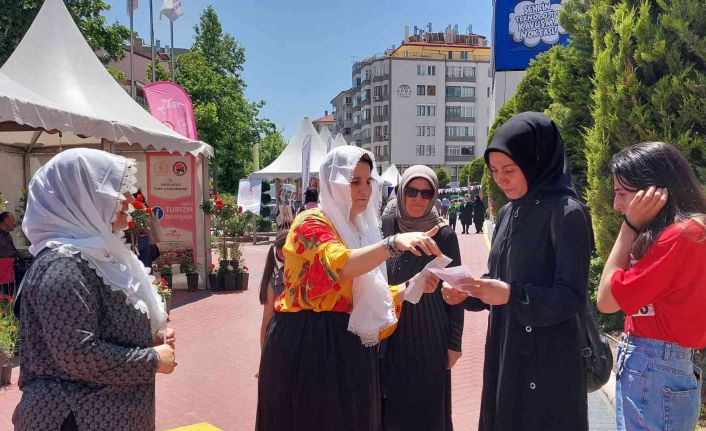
x=316, y=376
x=415, y=381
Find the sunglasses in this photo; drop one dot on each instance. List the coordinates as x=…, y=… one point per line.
x=411, y=192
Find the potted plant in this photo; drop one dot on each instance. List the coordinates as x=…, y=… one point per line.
x=243, y=277
x=9, y=338
x=192, y=275
x=228, y=275
x=214, y=281
x=165, y=272
x=164, y=291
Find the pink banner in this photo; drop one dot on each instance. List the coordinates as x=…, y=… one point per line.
x=171, y=104
x=171, y=194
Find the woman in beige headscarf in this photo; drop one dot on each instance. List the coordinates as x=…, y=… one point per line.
x=417, y=359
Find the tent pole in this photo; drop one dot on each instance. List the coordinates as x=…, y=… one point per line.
x=132, y=53
x=171, y=55
x=154, y=71
x=206, y=191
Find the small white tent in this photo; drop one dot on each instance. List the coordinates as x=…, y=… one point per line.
x=339, y=141
x=289, y=163
x=391, y=176
x=54, y=92
x=327, y=138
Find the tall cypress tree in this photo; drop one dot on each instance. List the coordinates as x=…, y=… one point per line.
x=650, y=84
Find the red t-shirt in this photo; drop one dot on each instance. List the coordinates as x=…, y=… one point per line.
x=664, y=294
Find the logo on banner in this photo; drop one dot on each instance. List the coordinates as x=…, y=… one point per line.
x=161, y=169
x=172, y=235
x=158, y=212
x=404, y=90
x=536, y=21
x=179, y=169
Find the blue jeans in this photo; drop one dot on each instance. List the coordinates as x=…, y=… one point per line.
x=658, y=386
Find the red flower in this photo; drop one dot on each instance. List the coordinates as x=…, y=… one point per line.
x=138, y=205
x=216, y=198
x=131, y=225
x=219, y=204
x=140, y=198
x=162, y=281
x=148, y=210
x=240, y=210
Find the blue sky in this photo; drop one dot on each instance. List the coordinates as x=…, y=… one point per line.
x=299, y=53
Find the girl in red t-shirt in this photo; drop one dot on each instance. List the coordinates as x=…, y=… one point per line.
x=655, y=275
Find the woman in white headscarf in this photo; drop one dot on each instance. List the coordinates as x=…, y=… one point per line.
x=318, y=369
x=93, y=327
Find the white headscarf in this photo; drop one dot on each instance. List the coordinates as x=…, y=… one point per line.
x=373, y=308
x=72, y=201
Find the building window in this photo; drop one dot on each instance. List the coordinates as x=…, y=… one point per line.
x=421, y=90
x=431, y=90
x=456, y=91
x=349, y=115
x=431, y=70
x=464, y=55
x=426, y=130
x=349, y=100
x=421, y=70
x=420, y=150
x=459, y=111
x=378, y=91
x=460, y=131
x=466, y=151
x=451, y=55
x=431, y=150
x=488, y=91
x=426, y=110
x=365, y=114
x=454, y=150
x=460, y=71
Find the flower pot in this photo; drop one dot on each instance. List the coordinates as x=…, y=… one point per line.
x=5, y=374
x=243, y=278
x=168, y=279
x=215, y=283
x=192, y=281
x=230, y=281
x=234, y=264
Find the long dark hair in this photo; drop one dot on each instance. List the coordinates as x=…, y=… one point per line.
x=270, y=264
x=663, y=166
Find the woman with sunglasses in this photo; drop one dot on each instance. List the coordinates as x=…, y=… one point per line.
x=416, y=360
x=533, y=373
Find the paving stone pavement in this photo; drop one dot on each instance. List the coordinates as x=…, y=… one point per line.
x=218, y=355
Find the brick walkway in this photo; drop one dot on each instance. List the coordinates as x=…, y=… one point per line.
x=218, y=354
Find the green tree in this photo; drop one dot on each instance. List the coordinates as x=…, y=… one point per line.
x=650, y=84
x=271, y=146
x=443, y=176
x=106, y=40
x=161, y=74
x=472, y=172
x=224, y=117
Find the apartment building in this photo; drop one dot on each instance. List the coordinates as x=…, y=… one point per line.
x=424, y=102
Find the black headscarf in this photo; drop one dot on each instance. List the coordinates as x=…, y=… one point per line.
x=533, y=142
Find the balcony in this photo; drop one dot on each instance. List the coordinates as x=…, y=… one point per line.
x=460, y=138
x=365, y=82
x=459, y=119
x=380, y=78
x=363, y=141
x=460, y=158
x=381, y=138
x=383, y=158
x=460, y=79
x=365, y=102
x=460, y=99
x=365, y=121
x=381, y=118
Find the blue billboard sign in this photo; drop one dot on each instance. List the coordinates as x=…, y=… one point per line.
x=523, y=29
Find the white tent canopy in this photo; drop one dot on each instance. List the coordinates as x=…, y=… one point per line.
x=391, y=176
x=339, y=141
x=327, y=138
x=289, y=163
x=53, y=82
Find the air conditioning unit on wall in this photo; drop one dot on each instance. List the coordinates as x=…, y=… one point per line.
x=385, y=137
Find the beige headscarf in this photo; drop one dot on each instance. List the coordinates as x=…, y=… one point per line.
x=430, y=218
